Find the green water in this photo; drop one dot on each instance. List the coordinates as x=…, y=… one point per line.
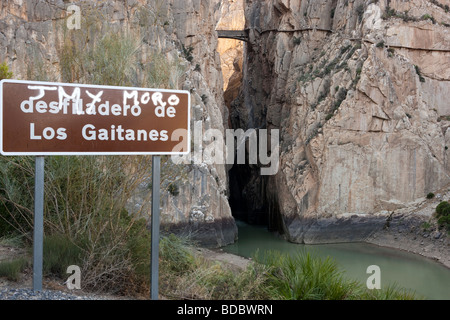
x=427, y=278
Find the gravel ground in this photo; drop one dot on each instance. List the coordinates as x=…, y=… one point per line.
x=29, y=294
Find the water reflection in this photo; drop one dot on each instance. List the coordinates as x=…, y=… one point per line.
x=424, y=276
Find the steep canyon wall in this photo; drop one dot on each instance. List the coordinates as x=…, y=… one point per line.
x=358, y=90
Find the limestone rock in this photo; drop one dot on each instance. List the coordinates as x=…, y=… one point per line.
x=359, y=97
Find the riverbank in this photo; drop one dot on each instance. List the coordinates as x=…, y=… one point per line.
x=415, y=230
x=416, y=235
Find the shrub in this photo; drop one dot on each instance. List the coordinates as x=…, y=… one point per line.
x=389, y=12
x=421, y=78
x=163, y=74
x=345, y=49
x=188, y=53
x=4, y=71
x=426, y=225
x=443, y=214
x=360, y=12
x=444, y=222
x=16, y=195
x=12, y=269
x=443, y=209
x=304, y=77
x=429, y=17
x=430, y=195
x=305, y=277
x=185, y=275
x=173, y=189
x=297, y=41
x=391, y=292
x=340, y=97
x=59, y=253
x=97, y=54
x=110, y=60
x=175, y=254
x=391, y=52
x=331, y=66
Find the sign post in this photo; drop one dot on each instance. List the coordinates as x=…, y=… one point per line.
x=38, y=228
x=154, y=258
x=48, y=118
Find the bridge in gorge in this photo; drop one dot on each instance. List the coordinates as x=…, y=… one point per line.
x=233, y=34
x=243, y=35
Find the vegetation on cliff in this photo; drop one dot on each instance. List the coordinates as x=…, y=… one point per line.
x=443, y=215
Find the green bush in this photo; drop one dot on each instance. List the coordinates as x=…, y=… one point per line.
x=175, y=254
x=444, y=221
x=173, y=189
x=426, y=225
x=297, y=41
x=110, y=60
x=16, y=195
x=305, y=277
x=59, y=253
x=360, y=12
x=188, y=52
x=389, y=12
x=391, y=292
x=428, y=17
x=443, y=215
x=421, y=78
x=391, y=52
x=443, y=209
x=340, y=97
x=4, y=71
x=13, y=268
x=430, y=195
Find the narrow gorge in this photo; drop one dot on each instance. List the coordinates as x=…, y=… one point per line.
x=358, y=91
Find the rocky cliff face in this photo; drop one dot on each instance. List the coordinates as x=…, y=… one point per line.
x=358, y=91
x=230, y=50
x=181, y=34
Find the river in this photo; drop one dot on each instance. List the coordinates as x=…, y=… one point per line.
x=427, y=278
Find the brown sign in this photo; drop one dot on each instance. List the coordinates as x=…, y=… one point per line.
x=45, y=118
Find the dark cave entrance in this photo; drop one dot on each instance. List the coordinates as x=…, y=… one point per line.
x=251, y=198
x=243, y=202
